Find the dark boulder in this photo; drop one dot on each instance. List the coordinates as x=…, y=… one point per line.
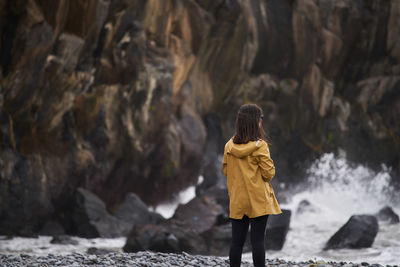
x=305, y=206
x=90, y=218
x=199, y=214
x=387, y=214
x=277, y=228
x=152, y=237
x=359, y=232
x=63, y=240
x=52, y=228
x=133, y=212
x=28, y=231
x=183, y=232
x=190, y=240
x=217, y=191
x=192, y=219
x=218, y=240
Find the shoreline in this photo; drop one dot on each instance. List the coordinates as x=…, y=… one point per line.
x=153, y=259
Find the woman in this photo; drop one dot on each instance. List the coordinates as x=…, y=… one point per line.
x=249, y=169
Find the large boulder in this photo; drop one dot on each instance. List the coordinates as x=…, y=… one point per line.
x=387, y=214
x=152, y=237
x=199, y=214
x=166, y=237
x=192, y=219
x=218, y=240
x=89, y=217
x=277, y=228
x=133, y=212
x=52, y=228
x=358, y=232
x=305, y=206
x=183, y=232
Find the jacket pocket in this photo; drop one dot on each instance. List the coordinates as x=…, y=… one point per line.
x=269, y=189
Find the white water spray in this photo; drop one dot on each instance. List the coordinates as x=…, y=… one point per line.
x=337, y=190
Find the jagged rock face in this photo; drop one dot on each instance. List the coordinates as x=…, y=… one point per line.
x=88, y=100
x=110, y=95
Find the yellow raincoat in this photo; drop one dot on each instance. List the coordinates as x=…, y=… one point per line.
x=249, y=170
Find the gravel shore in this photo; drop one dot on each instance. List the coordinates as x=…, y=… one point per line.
x=149, y=259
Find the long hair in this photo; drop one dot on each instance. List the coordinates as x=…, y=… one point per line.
x=248, y=124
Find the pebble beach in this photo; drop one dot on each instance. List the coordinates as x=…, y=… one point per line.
x=151, y=259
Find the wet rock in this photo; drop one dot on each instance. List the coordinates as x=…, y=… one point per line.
x=183, y=232
x=152, y=237
x=393, y=31
x=358, y=232
x=52, y=228
x=277, y=228
x=68, y=50
x=199, y=214
x=387, y=214
x=376, y=89
x=222, y=219
x=133, y=212
x=218, y=191
x=218, y=240
x=192, y=219
x=305, y=206
x=190, y=240
x=28, y=231
x=90, y=218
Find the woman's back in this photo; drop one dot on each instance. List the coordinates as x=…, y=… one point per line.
x=249, y=168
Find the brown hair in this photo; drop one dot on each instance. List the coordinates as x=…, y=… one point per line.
x=247, y=124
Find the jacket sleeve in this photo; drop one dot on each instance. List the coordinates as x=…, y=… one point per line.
x=265, y=162
x=224, y=164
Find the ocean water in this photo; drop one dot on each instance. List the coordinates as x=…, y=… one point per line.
x=335, y=189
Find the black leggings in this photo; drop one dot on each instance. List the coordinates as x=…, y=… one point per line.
x=240, y=229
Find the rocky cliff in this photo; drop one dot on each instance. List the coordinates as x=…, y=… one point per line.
x=117, y=96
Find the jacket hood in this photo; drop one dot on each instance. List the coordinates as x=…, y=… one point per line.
x=242, y=150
